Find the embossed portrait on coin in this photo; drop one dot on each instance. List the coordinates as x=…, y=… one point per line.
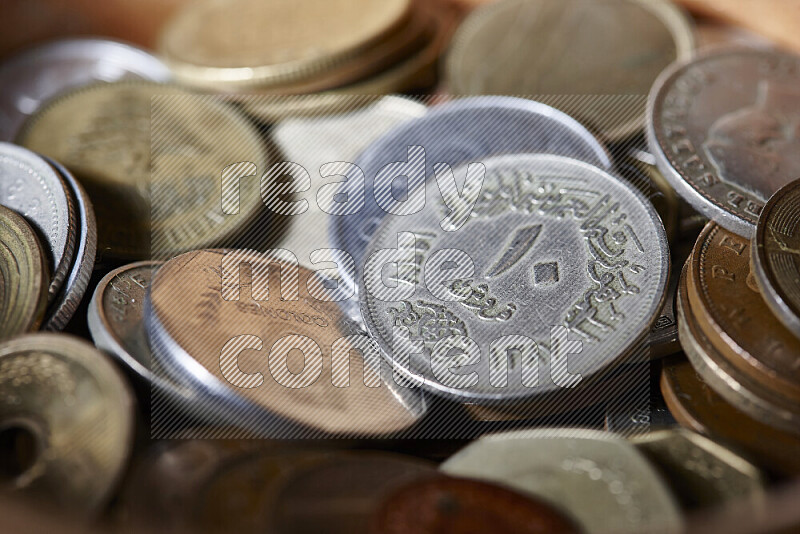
x=757, y=147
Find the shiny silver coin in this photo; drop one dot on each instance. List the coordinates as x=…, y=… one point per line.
x=725, y=131
x=32, y=188
x=69, y=297
x=569, y=271
x=34, y=76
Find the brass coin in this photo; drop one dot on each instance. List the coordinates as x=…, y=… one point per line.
x=66, y=418
x=256, y=43
x=698, y=407
x=776, y=257
x=733, y=315
x=104, y=134
x=571, y=47
x=23, y=276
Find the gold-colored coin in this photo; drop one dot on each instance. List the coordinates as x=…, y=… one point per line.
x=255, y=43
x=23, y=276
x=150, y=157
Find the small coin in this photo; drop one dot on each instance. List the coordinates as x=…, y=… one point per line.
x=776, y=255
x=444, y=505
x=23, y=276
x=66, y=416
x=723, y=128
x=596, y=477
x=536, y=47
x=32, y=188
x=34, y=76
x=698, y=407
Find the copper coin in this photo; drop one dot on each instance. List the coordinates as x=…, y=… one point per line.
x=444, y=505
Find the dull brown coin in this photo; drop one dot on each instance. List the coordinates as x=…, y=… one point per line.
x=445, y=505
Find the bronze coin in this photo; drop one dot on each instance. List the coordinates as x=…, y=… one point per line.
x=445, y=505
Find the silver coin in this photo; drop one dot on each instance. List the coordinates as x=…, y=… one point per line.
x=34, y=76
x=555, y=243
x=69, y=297
x=725, y=131
x=31, y=187
x=597, y=477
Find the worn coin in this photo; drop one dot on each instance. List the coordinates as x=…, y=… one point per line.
x=596, y=477
x=724, y=130
x=612, y=48
x=552, y=247
x=776, y=255
x=32, y=188
x=34, y=76
x=66, y=415
x=23, y=276
x=445, y=505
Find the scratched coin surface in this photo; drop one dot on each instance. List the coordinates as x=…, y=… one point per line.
x=562, y=253
x=776, y=255
x=614, y=49
x=725, y=131
x=596, y=477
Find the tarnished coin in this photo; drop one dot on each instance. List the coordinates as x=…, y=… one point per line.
x=32, y=188
x=282, y=360
x=776, y=256
x=66, y=415
x=555, y=257
x=613, y=48
x=596, y=477
x=23, y=276
x=698, y=407
x=724, y=130
x=702, y=473
x=34, y=76
x=445, y=505
x=253, y=43
x=104, y=134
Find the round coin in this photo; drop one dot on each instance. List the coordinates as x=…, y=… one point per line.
x=23, y=276
x=613, y=48
x=554, y=253
x=776, y=255
x=724, y=130
x=67, y=416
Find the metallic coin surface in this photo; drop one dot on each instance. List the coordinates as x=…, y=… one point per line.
x=75, y=410
x=23, y=276
x=248, y=42
x=440, y=505
x=32, y=188
x=596, y=477
x=34, y=76
x=614, y=48
x=724, y=130
x=776, y=255
x=698, y=407
x=266, y=354
x=104, y=134
x=702, y=473
x=552, y=243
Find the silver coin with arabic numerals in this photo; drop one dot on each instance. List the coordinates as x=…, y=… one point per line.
x=725, y=131
x=564, y=254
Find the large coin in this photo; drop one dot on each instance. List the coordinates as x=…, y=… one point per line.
x=23, y=276
x=596, y=477
x=32, y=188
x=614, y=49
x=724, y=130
x=776, y=255
x=34, y=76
x=69, y=414
x=104, y=134
x=553, y=242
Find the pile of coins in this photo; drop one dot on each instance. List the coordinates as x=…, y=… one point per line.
x=552, y=287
